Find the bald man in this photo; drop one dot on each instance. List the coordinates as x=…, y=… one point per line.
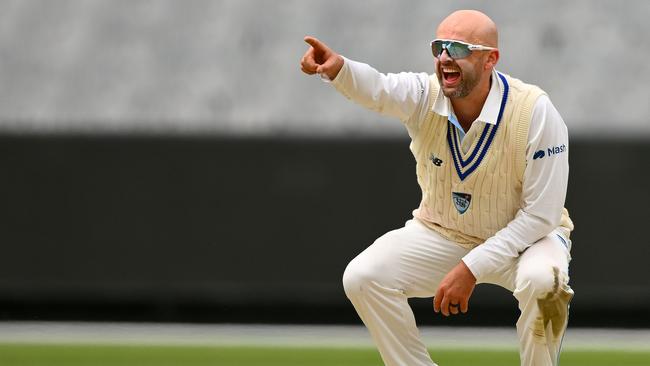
x=492, y=162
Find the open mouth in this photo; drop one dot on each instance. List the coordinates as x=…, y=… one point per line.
x=450, y=76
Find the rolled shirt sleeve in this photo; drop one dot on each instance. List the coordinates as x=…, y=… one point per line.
x=543, y=193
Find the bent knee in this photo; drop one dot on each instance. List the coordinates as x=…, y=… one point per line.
x=355, y=278
x=375, y=267
x=541, y=281
x=359, y=276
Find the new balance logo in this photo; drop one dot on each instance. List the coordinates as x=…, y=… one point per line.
x=553, y=150
x=435, y=160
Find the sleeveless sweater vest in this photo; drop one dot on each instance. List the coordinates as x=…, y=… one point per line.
x=468, y=197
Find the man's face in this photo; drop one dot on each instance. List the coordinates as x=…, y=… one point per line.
x=458, y=78
x=468, y=76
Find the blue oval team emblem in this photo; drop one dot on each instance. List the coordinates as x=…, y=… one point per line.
x=461, y=201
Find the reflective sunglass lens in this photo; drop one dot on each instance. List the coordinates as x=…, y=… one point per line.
x=436, y=48
x=454, y=49
x=458, y=50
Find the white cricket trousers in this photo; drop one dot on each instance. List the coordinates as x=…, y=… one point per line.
x=411, y=262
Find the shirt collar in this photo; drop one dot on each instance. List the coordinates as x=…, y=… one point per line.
x=489, y=112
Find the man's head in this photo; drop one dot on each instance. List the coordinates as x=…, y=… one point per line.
x=459, y=77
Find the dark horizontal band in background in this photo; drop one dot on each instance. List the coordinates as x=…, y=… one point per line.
x=234, y=229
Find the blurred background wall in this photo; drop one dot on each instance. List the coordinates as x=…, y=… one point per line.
x=230, y=66
x=167, y=160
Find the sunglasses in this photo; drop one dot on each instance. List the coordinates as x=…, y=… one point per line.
x=456, y=49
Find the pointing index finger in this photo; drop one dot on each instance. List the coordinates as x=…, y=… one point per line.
x=314, y=42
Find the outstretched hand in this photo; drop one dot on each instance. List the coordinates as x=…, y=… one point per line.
x=455, y=289
x=320, y=59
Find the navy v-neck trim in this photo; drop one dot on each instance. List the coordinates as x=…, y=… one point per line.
x=465, y=167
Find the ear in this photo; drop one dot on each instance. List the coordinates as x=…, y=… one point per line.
x=492, y=60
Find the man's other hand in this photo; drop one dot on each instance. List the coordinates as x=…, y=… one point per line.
x=454, y=291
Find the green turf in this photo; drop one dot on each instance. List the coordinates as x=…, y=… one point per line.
x=75, y=355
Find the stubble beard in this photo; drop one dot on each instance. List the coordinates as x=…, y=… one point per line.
x=467, y=84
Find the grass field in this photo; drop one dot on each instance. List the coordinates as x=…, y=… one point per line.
x=113, y=355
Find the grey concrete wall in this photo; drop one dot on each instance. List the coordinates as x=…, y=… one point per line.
x=231, y=66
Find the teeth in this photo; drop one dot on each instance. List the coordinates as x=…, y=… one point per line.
x=449, y=70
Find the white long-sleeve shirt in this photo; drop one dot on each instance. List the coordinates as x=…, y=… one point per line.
x=404, y=96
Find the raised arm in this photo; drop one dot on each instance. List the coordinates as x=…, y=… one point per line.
x=402, y=95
